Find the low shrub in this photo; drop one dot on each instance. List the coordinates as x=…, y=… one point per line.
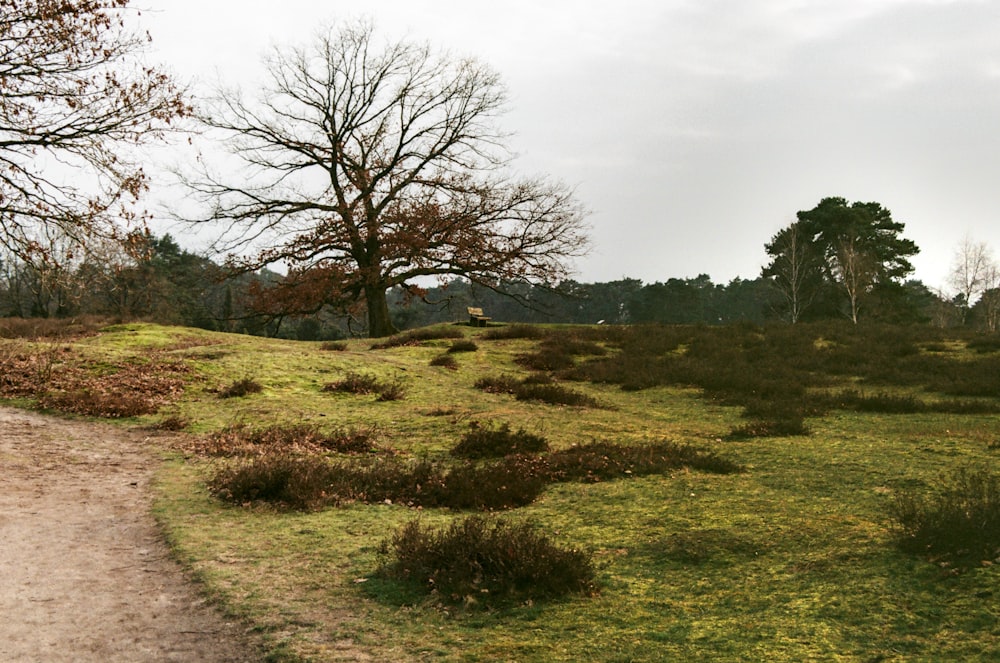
x=496, y=442
x=240, y=388
x=787, y=427
x=99, y=403
x=546, y=360
x=482, y=561
x=391, y=391
x=985, y=343
x=515, y=331
x=445, y=361
x=602, y=461
x=495, y=486
x=498, y=384
x=463, y=346
x=536, y=387
x=172, y=423
x=333, y=346
x=418, y=336
x=354, y=383
x=243, y=440
x=539, y=378
x=359, y=383
x=284, y=480
x=958, y=525
x=554, y=394
x=75, y=327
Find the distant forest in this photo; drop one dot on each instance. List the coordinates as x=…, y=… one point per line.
x=153, y=278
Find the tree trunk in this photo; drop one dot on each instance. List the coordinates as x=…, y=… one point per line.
x=379, y=324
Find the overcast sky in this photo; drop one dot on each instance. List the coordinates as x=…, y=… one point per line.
x=695, y=129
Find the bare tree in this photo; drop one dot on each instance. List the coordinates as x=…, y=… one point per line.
x=972, y=264
x=795, y=269
x=368, y=167
x=74, y=100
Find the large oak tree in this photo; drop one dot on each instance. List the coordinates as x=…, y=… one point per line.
x=75, y=100
x=370, y=165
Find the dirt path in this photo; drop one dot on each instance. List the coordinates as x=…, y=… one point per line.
x=84, y=574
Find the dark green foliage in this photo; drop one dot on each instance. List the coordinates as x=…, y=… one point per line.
x=958, y=524
x=985, y=343
x=463, y=346
x=418, y=336
x=489, y=442
x=240, y=388
x=485, y=561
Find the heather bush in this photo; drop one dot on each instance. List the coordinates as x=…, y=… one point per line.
x=498, y=384
x=486, y=487
x=333, y=346
x=537, y=387
x=244, y=440
x=515, y=331
x=545, y=360
x=496, y=442
x=92, y=402
x=30, y=328
x=602, y=461
x=959, y=523
x=418, y=336
x=240, y=388
x=445, y=361
x=172, y=423
x=283, y=480
x=784, y=427
x=463, y=346
x=360, y=383
x=554, y=394
x=482, y=561
x=985, y=343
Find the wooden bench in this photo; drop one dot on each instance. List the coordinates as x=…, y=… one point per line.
x=476, y=317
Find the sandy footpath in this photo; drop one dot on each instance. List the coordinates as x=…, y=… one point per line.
x=85, y=575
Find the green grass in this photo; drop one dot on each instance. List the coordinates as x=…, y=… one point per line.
x=791, y=560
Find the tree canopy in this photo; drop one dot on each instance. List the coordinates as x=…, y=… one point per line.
x=853, y=249
x=370, y=166
x=74, y=99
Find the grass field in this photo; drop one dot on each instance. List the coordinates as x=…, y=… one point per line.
x=794, y=558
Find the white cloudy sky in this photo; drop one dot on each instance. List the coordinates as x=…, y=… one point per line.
x=695, y=129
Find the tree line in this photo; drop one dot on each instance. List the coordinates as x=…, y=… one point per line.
x=154, y=278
